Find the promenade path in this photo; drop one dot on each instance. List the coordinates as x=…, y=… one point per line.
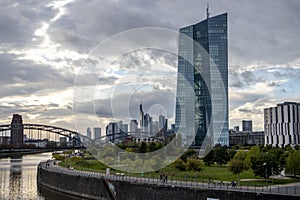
x=286, y=189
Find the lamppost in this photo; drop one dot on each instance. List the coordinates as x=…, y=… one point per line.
x=266, y=172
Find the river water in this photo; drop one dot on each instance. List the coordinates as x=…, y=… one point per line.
x=18, y=176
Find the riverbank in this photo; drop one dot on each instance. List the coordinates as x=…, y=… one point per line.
x=94, y=185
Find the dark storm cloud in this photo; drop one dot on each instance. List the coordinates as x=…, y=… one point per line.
x=125, y=105
x=273, y=84
x=105, y=18
x=136, y=59
x=95, y=79
x=257, y=30
x=251, y=111
x=19, y=20
x=283, y=91
x=244, y=78
x=19, y=77
x=264, y=31
x=261, y=33
x=50, y=109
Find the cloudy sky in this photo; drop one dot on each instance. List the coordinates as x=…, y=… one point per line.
x=55, y=67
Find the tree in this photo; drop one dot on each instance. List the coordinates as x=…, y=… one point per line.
x=221, y=154
x=266, y=162
x=194, y=164
x=293, y=163
x=190, y=153
x=143, y=147
x=209, y=158
x=231, y=153
x=151, y=147
x=179, y=164
x=238, y=164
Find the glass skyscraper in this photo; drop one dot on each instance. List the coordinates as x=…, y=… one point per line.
x=202, y=82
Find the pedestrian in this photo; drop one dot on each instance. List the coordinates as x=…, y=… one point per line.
x=166, y=179
x=160, y=177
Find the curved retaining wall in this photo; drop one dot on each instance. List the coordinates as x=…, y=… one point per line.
x=90, y=185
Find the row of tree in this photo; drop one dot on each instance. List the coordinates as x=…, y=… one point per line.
x=266, y=161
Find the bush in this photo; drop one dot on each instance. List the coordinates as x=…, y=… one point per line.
x=58, y=157
x=76, y=160
x=194, y=164
x=180, y=165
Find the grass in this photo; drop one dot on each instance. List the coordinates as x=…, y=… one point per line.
x=214, y=173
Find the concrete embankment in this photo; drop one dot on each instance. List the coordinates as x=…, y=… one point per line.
x=90, y=185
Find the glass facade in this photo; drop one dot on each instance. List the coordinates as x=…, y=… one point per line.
x=202, y=112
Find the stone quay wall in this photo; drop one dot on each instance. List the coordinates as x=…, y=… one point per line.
x=91, y=185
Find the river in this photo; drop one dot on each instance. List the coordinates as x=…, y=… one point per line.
x=18, y=177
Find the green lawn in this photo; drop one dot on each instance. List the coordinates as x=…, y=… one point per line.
x=214, y=173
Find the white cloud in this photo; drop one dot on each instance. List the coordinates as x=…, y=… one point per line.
x=43, y=45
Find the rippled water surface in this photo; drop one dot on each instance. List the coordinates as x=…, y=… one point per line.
x=18, y=176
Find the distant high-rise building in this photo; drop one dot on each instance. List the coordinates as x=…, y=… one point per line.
x=247, y=125
x=155, y=127
x=123, y=128
x=246, y=138
x=161, y=122
x=62, y=140
x=141, y=118
x=173, y=126
x=147, y=123
x=133, y=126
x=17, y=131
x=97, y=132
x=89, y=132
x=204, y=73
x=236, y=128
x=282, y=124
x=166, y=125
x=111, y=130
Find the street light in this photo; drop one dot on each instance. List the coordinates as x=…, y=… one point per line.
x=266, y=173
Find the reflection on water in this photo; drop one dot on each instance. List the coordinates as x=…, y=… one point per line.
x=18, y=176
x=15, y=176
x=18, y=179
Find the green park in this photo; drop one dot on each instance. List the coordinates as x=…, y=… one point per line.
x=247, y=166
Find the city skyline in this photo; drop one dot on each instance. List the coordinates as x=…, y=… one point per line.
x=41, y=49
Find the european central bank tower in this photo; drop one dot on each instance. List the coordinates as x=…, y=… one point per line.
x=202, y=83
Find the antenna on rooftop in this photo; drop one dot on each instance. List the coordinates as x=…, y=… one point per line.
x=207, y=11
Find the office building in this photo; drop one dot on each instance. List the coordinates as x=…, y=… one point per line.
x=155, y=125
x=282, y=124
x=236, y=128
x=97, y=133
x=141, y=118
x=161, y=122
x=111, y=131
x=246, y=138
x=202, y=82
x=89, y=132
x=247, y=125
x=133, y=126
x=147, y=123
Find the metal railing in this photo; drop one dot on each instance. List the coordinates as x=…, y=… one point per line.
x=287, y=189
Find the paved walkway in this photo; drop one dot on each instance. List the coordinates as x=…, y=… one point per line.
x=287, y=189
